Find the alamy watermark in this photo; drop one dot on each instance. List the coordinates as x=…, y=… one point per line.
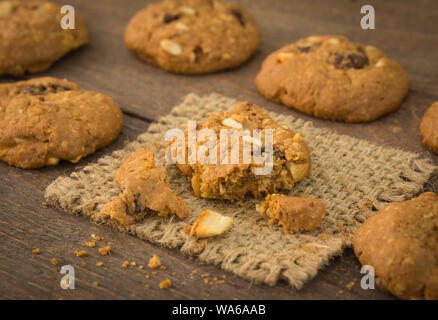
x=68, y=20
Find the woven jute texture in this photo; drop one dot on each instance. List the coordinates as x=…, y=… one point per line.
x=351, y=177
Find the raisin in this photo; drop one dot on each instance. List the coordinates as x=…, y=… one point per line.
x=358, y=61
x=338, y=61
x=197, y=51
x=169, y=17
x=238, y=15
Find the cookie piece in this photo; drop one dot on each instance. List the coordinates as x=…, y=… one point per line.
x=45, y=120
x=429, y=127
x=332, y=78
x=144, y=190
x=401, y=243
x=193, y=36
x=32, y=38
x=234, y=181
x=292, y=213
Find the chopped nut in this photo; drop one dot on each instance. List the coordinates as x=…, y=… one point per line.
x=52, y=161
x=333, y=41
x=105, y=251
x=154, y=262
x=181, y=26
x=81, y=253
x=231, y=123
x=283, y=56
x=171, y=47
x=165, y=284
x=36, y=251
x=133, y=263
x=381, y=63
x=54, y=261
x=187, y=10
x=125, y=264
x=297, y=170
x=140, y=267
x=210, y=223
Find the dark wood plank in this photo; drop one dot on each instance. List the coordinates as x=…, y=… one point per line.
x=406, y=31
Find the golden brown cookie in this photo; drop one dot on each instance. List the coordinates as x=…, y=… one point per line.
x=31, y=37
x=45, y=120
x=235, y=180
x=193, y=36
x=429, y=127
x=401, y=243
x=332, y=78
x=144, y=190
x=292, y=213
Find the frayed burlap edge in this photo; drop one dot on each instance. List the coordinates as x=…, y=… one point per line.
x=352, y=177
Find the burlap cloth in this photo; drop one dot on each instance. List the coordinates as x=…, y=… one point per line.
x=352, y=177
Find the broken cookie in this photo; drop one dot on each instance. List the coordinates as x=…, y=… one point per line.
x=292, y=213
x=210, y=223
x=145, y=190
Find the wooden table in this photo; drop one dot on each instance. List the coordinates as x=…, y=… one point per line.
x=405, y=30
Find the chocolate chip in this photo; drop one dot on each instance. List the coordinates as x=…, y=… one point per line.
x=338, y=61
x=238, y=15
x=169, y=17
x=358, y=61
x=304, y=49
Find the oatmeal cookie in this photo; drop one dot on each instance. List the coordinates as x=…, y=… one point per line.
x=429, y=127
x=32, y=39
x=45, y=120
x=193, y=36
x=234, y=181
x=401, y=243
x=144, y=190
x=332, y=78
x=292, y=213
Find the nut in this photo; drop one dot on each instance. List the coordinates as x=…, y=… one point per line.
x=181, y=26
x=381, y=63
x=231, y=123
x=171, y=47
x=297, y=170
x=187, y=10
x=283, y=56
x=210, y=223
x=333, y=41
x=52, y=161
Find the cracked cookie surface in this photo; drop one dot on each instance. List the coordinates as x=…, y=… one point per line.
x=145, y=190
x=401, y=243
x=292, y=213
x=45, y=120
x=193, y=36
x=429, y=127
x=234, y=181
x=32, y=39
x=332, y=78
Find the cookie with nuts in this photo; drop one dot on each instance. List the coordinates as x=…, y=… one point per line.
x=401, y=243
x=193, y=36
x=429, y=127
x=268, y=157
x=333, y=78
x=32, y=38
x=45, y=120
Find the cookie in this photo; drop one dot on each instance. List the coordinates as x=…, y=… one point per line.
x=429, y=127
x=287, y=157
x=401, y=243
x=193, y=36
x=32, y=38
x=332, y=78
x=145, y=190
x=292, y=213
x=45, y=120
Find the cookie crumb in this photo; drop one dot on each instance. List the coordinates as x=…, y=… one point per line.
x=163, y=267
x=90, y=244
x=154, y=273
x=99, y=264
x=95, y=283
x=81, y=253
x=105, y=251
x=147, y=286
x=54, y=261
x=165, y=284
x=125, y=264
x=154, y=262
x=147, y=276
x=36, y=251
x=94, y=237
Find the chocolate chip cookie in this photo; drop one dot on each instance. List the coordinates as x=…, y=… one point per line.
x=45, y=120
x=193, y=36
x=268, y=157
x=145, y=190
x=429, y=127
x=32, y=39
x=332, y=78
x=294, y=214
x=401, y=243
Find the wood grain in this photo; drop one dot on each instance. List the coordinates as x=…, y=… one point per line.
x=405, y=31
